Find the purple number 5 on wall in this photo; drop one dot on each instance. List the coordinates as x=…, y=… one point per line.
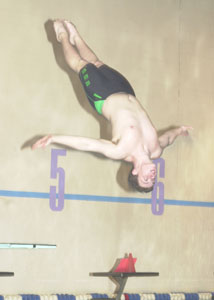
x=54, y=204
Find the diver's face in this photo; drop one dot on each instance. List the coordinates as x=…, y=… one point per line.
x=146, y=175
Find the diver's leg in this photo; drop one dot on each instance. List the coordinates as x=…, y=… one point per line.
x=73, y=58
x=85, y=52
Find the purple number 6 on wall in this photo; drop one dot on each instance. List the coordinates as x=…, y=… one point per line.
x=54, y=204
x=158, y=202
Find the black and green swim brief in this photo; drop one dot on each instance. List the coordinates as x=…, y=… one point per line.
x=100, y=83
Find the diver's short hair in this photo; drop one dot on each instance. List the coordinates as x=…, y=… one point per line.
x=133, y=182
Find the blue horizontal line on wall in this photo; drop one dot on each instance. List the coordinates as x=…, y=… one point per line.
x=22, y=194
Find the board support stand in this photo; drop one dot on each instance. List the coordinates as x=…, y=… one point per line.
x=122, y=270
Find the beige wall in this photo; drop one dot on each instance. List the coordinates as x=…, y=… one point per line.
x=165, y=49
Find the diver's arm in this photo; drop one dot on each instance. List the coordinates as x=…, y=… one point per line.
x=169, y=136
x=104, y=147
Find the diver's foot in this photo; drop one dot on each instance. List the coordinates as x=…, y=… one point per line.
x=73, y=33
x=60, y=30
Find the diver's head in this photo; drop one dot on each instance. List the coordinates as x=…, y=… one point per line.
x=143, y=178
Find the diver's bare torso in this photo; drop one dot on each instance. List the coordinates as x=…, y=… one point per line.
x=131, y=126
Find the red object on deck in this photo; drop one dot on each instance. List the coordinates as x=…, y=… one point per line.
x=126, y=296
x=126, y=265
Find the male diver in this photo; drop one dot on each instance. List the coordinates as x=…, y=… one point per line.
x=134, y=138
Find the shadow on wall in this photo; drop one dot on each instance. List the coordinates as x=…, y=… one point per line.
x=105, y=127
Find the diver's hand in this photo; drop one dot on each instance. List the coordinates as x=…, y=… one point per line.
x=185, y=130
x=43, y=142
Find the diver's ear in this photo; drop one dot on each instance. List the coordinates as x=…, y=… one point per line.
x=134, y=171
